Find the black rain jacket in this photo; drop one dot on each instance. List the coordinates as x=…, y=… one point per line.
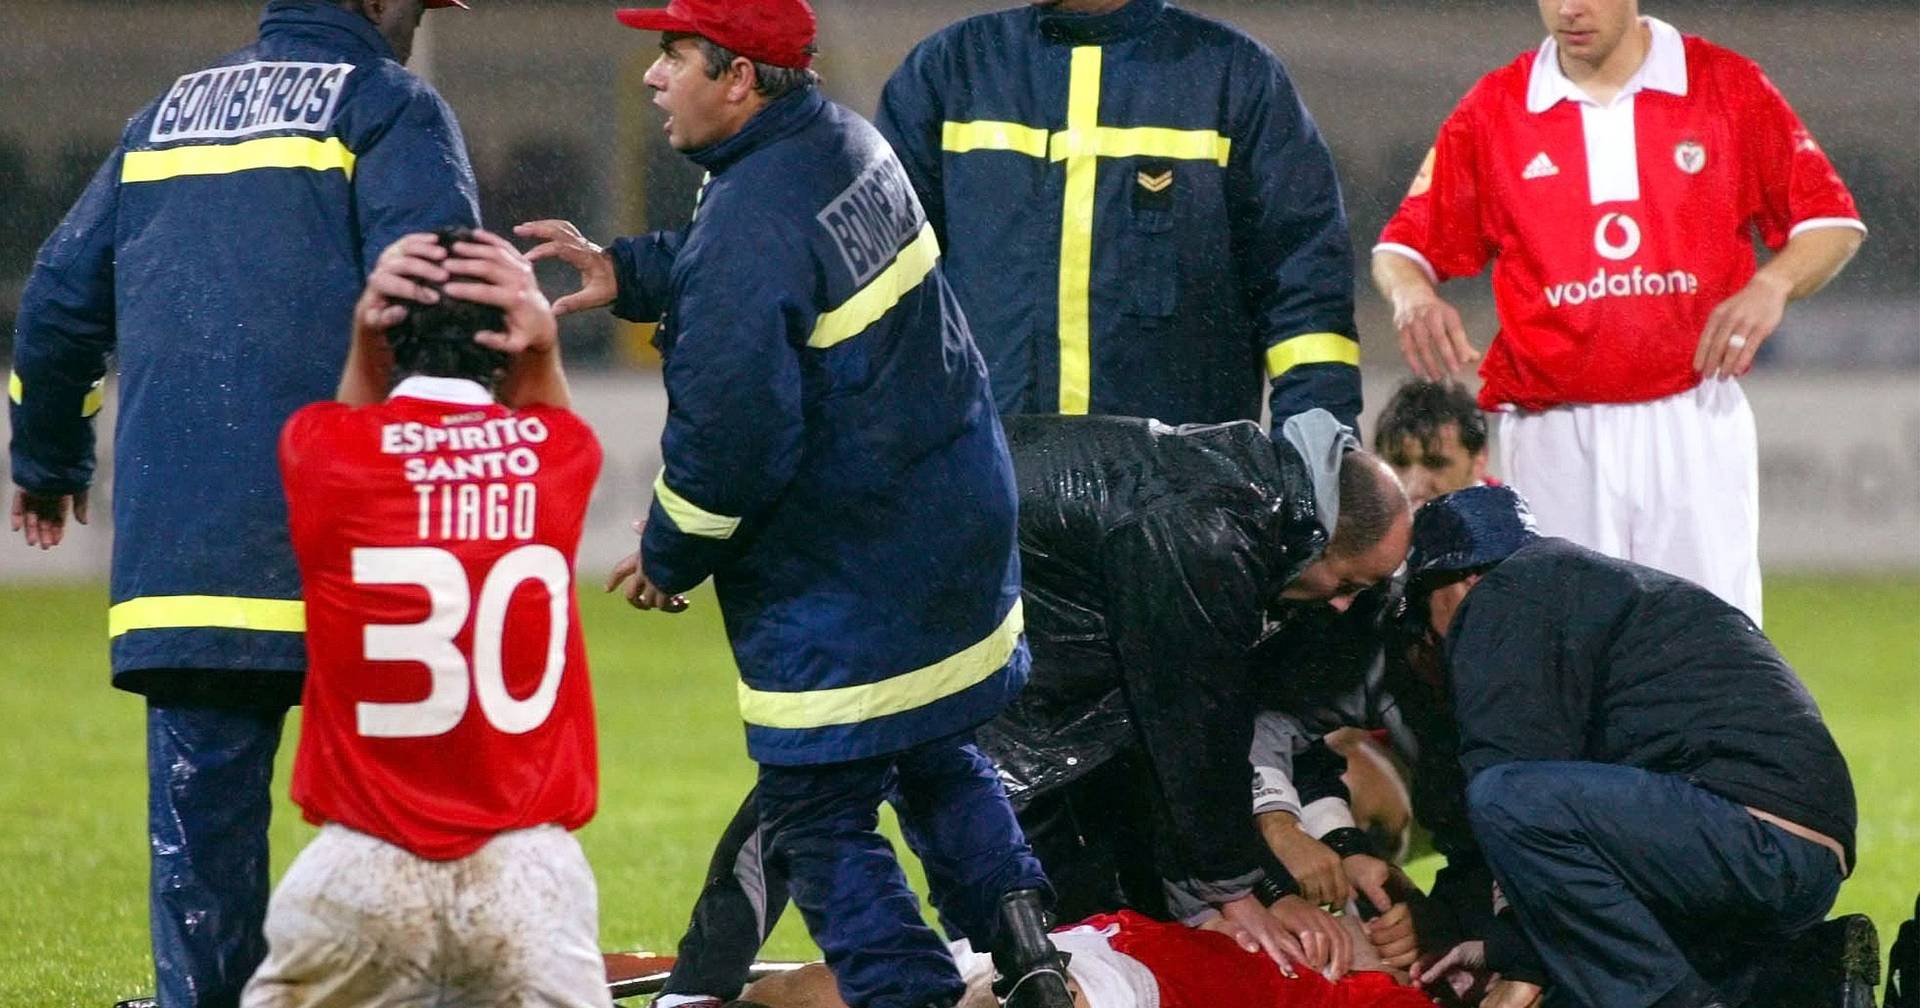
x=1150, y=555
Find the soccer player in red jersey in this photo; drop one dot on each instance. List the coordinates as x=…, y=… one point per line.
x=1126, y=960
x=447, y=747
x=1617, y=177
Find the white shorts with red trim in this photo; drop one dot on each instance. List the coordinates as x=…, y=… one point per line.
x=360, y=922
x=1672, y=483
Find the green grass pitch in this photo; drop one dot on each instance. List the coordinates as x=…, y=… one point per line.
x=72, y=808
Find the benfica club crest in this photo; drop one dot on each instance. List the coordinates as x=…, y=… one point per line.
x=1690, y=156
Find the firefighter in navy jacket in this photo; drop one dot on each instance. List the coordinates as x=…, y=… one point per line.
x=832, y=460
x=216, y=256
x=1138, y=213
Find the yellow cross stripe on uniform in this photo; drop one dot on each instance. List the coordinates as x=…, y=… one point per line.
x=225, y=159
x=908, y=270
x=904, y=692
x=1081, y=146
x=689, y=517
x=1311, y=348
x=15, y=390
x=175, y=612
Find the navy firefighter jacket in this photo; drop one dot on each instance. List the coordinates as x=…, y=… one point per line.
x=216, y=257
x=1140, y=217
x=832, y=456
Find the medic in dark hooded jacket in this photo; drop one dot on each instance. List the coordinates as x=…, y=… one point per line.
x=216, y=256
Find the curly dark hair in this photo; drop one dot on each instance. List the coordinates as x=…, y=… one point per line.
x=437, y=339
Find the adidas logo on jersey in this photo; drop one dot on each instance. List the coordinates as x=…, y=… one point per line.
x=1540, y=167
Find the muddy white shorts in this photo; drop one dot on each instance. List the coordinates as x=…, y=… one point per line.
x=1672, y=483
x=360, y=922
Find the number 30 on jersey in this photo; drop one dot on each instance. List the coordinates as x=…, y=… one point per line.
x=431, y=641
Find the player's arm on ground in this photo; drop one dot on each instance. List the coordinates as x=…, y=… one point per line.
x=62, y=336
x=733, y=435
x=1291, y=247
x=913, y=119
x=1436, y=235
x=1802, y=211
x=410, y=171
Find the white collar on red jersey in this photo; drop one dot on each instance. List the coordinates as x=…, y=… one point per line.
x=1665, y=69
x=462, y=391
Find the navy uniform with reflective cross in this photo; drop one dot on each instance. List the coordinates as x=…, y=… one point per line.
x=833, y=461
x=1138, y=213
x=216, y=257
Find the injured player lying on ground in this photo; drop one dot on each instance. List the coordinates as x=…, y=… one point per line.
x=1126, y=960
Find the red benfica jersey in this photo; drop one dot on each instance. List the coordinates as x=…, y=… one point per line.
x=1206, y=969
x=446, y=696
x=1614, y=230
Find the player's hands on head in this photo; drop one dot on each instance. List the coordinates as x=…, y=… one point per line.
x=400, y=274
x=1432, y=337
x=1393, y=936
x=489, y=270
x=640, y=592
x=1328, y=946
x=561, y=240
x=42, y=518
x=1737, y=327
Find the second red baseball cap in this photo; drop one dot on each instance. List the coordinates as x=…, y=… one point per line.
x=776, y=32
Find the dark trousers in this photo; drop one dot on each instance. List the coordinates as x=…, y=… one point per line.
x=1092, y=838
x=1095, y=836
x=209, y=779
x=1640, y=889
x=820, y=825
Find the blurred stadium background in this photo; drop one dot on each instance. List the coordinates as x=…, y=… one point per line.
x=548, y=92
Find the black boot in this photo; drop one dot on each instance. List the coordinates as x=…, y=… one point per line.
x=1835, y=964
x=1030, y=972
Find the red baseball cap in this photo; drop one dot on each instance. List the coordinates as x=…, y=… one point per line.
x=776, y=32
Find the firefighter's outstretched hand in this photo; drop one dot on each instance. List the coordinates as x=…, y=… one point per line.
x=42, y=518
x=561, y=240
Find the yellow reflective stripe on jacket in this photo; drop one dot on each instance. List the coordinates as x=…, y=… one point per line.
x=96, y=396
x=909, y=268
x=689, y=517
x=171, y=612
x=225, y=159
x=986, y=134
x=1311, y=348
x=904, y=692
x=1076, y=235
x=1146, y=141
